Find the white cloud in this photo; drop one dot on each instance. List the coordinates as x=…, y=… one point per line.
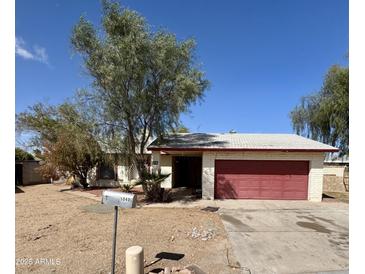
x=41, y=54
x=37, y=54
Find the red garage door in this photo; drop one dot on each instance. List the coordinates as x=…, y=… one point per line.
x=277, y=180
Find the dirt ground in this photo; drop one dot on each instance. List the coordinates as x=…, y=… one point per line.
x=176, y=194
x=57, y=232
x=98, y=192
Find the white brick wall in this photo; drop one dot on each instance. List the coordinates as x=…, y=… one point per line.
x=166, y=168
x=315, y=178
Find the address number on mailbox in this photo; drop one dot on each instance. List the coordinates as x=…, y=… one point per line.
x=120, y=199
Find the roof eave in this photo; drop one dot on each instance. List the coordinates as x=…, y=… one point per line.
x=243, y=149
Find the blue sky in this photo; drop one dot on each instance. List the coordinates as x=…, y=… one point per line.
x=260, y=56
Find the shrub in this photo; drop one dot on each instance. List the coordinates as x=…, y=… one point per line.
x=127, y=187
x=152, y=186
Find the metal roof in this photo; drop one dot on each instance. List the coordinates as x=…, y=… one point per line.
x=238, y=142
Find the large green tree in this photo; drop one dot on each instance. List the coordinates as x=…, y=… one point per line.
x=142, y=79
x=324, y=116
x=64, y=137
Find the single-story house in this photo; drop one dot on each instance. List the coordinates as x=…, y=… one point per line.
x=113, y=175
x=243, y=166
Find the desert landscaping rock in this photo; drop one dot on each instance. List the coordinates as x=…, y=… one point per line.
x=204, y=235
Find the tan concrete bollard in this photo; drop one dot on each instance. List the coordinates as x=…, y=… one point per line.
x=134, y=260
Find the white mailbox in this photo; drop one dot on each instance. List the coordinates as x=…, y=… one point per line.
x=119, y=199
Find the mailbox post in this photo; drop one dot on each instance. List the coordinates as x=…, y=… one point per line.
x=114, y=237
x=117, y=199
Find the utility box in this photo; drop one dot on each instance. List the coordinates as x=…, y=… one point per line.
x=119, y=199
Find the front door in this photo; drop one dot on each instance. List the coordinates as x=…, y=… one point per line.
x=187, y=172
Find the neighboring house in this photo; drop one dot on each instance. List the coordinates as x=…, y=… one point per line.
x=115, y=174
x=336, y=173
x=26, y=173
x=243, y=166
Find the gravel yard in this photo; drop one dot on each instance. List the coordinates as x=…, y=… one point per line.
x=57, y=232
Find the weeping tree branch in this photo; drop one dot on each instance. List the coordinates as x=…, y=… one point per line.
x=324, y=116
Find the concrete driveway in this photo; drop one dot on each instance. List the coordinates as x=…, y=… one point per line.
x=287, y=236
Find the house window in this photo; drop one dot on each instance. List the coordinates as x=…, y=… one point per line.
x=107, y=171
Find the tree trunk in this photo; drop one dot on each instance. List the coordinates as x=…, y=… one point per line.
x=141, y=169
x=83, y=181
